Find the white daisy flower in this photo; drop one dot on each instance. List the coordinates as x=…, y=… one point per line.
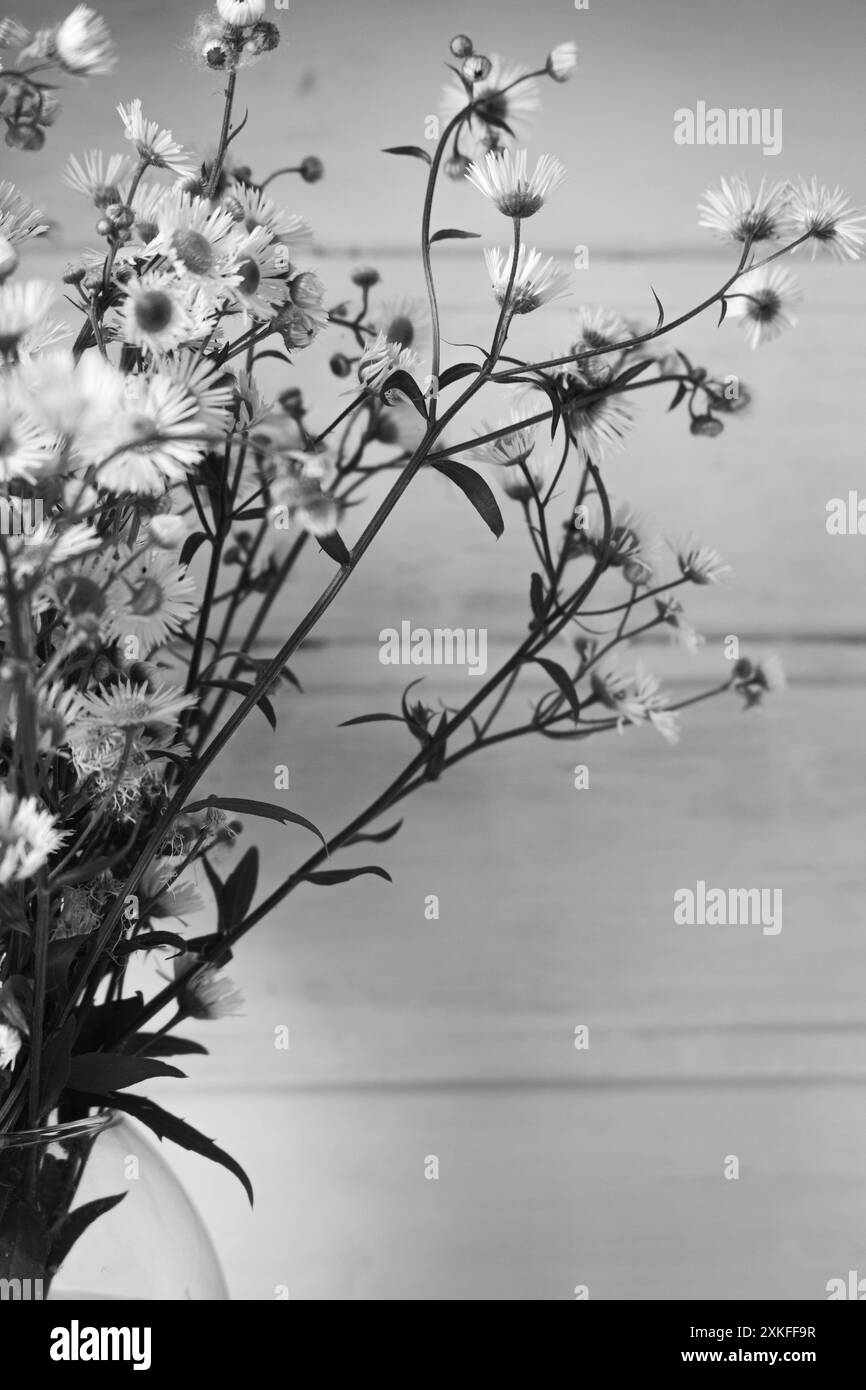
x=10, y=1045
x=261, y=267
x=671, y=612
x=827, y=220
x=212, y=390
x=28, y=837
x=129, y=706
x=155, y=146
x=74, y=400
x=380, y=359
x=254, y=208
x=160, y=314
x=27, y=452
x=700, y=564
x=599, y=423
x=22, y=305
x=636, y=699
x=19, y=219
x=762, y=300
x=200, y=241
x=562, y=61
x=516, y=485
x=404, y=321
x=98, y=178
x=155, y=439
x=597, y=327
x=83, y=44
x=515, y=447
x=241, y=12
x=501, y=108
x=734, y=214
x=502, y=177
x=632, y=543
x=167, y=895
x=536, y=282
x=146, y=204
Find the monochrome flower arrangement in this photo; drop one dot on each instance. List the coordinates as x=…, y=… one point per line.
x=156, y=505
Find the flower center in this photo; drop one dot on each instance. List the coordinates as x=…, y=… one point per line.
x=250, y=274
x=194, y=250
x=147, y=598
x=154, y=311
x=401, y=330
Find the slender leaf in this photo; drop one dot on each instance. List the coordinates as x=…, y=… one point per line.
x=165, y=1045
x=378, y=839
x=368, y=719
x=101, y=1073
x=167, y=1126
x=414, y=150
x=241, y=806
x=476, y=489
x=69, y=1229
x=244, y=688
x=335, y=547
x=453, y=234
x=457, y=373
x=327, y=877
x=563, y=682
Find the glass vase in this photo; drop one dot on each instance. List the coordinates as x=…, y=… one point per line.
x=91, y=1210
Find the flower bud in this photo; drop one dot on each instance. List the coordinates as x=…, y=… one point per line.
x=562, y=61
x=365, y=277
x=21, y=136
x=476, y=68
x=340, y=364
x=456, y=166
x=104, y=227
x=707, y=426
x=167, y=532
x=266, y=36
x=292, y=402
x=311, y=169
x=241, y=12
x=461, y=46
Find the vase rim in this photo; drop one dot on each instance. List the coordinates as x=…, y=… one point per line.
x=51, y=1133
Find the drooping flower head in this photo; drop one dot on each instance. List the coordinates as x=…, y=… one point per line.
x=827, y=220
x=762, y=301
x=536, y=281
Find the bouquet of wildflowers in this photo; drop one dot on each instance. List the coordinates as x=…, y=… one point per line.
x=157, y=501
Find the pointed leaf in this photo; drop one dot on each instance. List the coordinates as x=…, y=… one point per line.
x=244, y=688
x=240, y=887
x=190, y=546
x=378, y=839
x=328, y=877
x=369, y=719
x=241, y=806
x=661, y=317
x=69, y=1229
x=563, y=681
x=723, y=313
x=334, y=546
x=101, y=1073
x=536, y=595
x=167, y=1126
x=414, y=150
x=165, y=1045
x=476, y=489
x=453, y=234
x=402, y=385
x=148, y=941
x=457, y=373
x=678, y=396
